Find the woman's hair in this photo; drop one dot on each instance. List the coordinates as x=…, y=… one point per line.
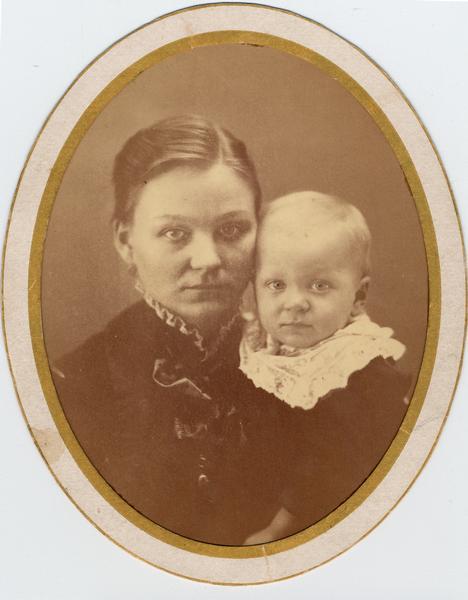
x=181, y=141
x=319, y=209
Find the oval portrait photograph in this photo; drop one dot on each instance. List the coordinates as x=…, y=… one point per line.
x=225, y=298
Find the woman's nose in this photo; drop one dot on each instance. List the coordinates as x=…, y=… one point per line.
x=204, y=253
x=295, y=301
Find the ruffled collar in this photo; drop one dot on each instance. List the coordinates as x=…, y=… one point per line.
x=206, y=348
x=300, y=377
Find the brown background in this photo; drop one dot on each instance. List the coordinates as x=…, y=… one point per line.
x=303, y=131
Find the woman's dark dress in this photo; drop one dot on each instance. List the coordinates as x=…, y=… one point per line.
x=213, y=458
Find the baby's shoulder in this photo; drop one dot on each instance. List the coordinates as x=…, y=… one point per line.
x=374, y=392
x=380, y=373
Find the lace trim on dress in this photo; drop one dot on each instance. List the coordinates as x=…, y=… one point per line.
x=300, y=377
x=176, y=322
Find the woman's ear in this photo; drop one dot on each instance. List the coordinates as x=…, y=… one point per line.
x=122, y=243
x=360, y=298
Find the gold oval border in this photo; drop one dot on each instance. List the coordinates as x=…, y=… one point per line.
x=432, y=256
x=37, y=249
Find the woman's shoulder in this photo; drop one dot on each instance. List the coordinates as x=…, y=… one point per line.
x=119, y=334
x=105, y=366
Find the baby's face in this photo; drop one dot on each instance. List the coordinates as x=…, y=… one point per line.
x=306, y=282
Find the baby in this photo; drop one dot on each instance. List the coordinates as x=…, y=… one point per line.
x=314, y=344
x=311, y=284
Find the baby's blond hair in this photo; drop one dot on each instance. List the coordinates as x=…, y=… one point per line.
x=324, y=208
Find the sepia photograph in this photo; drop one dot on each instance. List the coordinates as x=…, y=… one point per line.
x=260, y=412
x=226, y=294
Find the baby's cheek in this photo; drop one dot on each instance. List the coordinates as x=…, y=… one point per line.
x=335, y=318
x=266, y=310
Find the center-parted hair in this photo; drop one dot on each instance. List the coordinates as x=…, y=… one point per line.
x=315, y=209
x=182, y=141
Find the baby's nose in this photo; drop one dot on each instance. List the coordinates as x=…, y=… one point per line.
x=297, y=302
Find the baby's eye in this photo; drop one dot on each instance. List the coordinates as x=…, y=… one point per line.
x=175, y=234
x=276, y=285
x=319, y=285
x=232, y=230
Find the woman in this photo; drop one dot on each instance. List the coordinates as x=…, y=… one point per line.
x=156, y=399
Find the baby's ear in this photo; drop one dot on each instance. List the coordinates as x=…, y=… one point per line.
x=360, y=298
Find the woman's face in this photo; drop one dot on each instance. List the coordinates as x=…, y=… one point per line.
x=191, y=241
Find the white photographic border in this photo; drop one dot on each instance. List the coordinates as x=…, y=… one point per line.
x=453, y=297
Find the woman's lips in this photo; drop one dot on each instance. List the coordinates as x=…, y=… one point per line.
x=207, y=290
x=205, y=286
x=297, y=325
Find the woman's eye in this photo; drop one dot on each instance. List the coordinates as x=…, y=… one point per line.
x=232, y=231
x=276, y=285
x=175, y=235
x=320, y=286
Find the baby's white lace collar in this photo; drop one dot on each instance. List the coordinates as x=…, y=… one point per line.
x=300, y=377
